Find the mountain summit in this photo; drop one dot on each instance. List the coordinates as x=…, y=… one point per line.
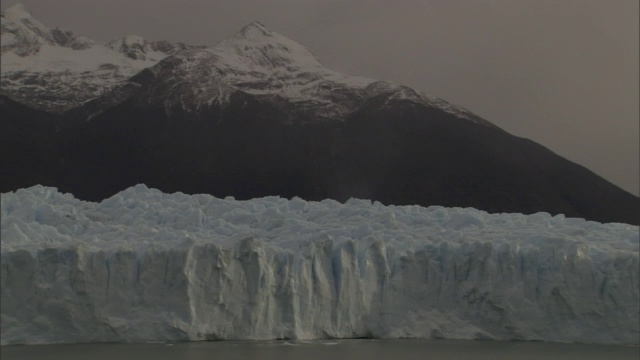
x=258, y=115
x=257, y=44
x=255, y=29
x=24, y=35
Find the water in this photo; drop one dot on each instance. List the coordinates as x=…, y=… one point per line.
x=323, y=350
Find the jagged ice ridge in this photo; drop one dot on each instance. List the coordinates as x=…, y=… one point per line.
x=148, y=266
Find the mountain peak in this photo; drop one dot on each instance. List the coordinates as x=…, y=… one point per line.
x=21, y=32
x=257, y=45
x=255, y=29
x=17, y=11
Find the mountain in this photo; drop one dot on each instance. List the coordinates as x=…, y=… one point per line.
x=258, y=115
x=55, y=70
x=263, y=64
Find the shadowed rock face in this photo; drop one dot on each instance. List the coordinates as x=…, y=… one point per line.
x=398, y=153
x=30, y=146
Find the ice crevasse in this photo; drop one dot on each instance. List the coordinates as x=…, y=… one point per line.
x=148, y=266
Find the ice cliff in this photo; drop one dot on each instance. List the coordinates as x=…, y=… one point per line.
x=148, y=266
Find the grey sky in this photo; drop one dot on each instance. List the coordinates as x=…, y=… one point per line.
x=563, y=73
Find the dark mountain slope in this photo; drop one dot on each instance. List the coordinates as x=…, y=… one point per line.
x=29, y=146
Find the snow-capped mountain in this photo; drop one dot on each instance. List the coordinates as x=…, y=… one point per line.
x=55, y=70
x=258, y=115
x=262, y=63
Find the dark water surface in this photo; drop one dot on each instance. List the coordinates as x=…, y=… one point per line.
x=324, y=350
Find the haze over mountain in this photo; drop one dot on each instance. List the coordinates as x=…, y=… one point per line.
x=258, y=115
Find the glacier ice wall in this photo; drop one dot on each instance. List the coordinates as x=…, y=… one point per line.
x=148, y=266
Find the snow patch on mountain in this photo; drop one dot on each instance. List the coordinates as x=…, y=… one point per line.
x=148, y=266
x=57, y=59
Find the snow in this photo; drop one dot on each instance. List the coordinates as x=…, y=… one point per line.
x=52, y=58
x=259, y=61
x=257, y=46
x=148, y=266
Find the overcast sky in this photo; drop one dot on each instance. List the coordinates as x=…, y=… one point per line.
x=563, y=73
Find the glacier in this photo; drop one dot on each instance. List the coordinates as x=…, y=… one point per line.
x=145, y=266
